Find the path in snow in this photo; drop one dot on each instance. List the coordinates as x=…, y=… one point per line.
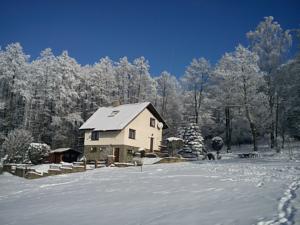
x=286, y=211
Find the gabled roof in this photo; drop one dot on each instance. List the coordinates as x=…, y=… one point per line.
x=117, y=118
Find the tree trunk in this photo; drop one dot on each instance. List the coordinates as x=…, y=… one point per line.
x=248, y=115
x=196, y=106
x=252, y=128
x=276, y=119
x=228, y=128
x=271, y=105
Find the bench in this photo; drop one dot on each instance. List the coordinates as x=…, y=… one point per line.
x=248, y=155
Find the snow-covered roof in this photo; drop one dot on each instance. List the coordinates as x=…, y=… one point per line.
x=118, y=117
x=61, y=150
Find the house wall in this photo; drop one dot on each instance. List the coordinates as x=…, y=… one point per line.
x=103, y=151
x=143, y=132
x=106, y=138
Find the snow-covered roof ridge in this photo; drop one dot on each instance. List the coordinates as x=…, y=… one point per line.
x=117, y=117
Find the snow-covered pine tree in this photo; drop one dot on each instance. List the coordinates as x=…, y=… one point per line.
x=193, y=140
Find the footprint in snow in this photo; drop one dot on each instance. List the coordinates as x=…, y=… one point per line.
x=260, y=184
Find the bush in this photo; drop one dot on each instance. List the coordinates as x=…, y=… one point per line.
x=38, y=152
x=15, y=146
x=217, y=143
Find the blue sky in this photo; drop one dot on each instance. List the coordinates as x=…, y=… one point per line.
x=168, y=33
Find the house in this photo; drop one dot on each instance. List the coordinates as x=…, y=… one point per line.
x=122, y=130
x=63, y=155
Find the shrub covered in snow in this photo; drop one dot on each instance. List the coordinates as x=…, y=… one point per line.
x=217, y=143
x=37, y=152
x=15, y=146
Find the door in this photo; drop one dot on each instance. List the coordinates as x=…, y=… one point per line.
x=151, y=144
x=117, y=154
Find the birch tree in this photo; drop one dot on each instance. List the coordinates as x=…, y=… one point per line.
x=195, y=80
x=241, y=69
x=271, y=43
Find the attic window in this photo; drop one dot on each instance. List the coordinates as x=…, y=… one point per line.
x=152, y=122
x=113, y=113
x=131, y=134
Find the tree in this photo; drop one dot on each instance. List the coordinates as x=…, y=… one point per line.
x=271, y=43
x=102, y=83
x=15, y=146
x=141, y=79
x=15, y=92
x=168, y=102
x=241, y=68
x=43, y=95
x=195, y=81
x=123, y=73
x=193, y=140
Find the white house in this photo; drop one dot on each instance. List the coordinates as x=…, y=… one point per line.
x=121, y=130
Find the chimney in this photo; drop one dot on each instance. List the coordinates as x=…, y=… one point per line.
x=116, y=103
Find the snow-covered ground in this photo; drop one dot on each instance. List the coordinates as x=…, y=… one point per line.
x=232, y=191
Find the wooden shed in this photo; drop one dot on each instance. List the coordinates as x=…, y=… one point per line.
x=63, y=155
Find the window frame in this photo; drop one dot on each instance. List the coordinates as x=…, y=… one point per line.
x=95, y=135
x=152, y=122
x=132, y=134
x=113, y=113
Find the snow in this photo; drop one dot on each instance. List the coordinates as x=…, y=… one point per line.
x=102, y=120
x=150, y=161
x=43, y=168
x=173, y=139
x=232, y=191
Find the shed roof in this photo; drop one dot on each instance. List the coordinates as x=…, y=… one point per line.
x=62, y=150
x=117, y=118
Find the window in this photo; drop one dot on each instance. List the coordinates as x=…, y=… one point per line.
x=129, y=152
x=113, y=113
x=95, y=135
x=152, y=122
x=131, y=134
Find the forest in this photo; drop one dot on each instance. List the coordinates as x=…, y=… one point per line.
x=250, y=95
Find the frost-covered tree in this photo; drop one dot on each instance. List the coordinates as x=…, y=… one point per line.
x=169, y=99
x=102, y=83
x=123, y=73
x=241, y=68
x=14, y=91
x=15, y=146
x=141, y=79
x=43, y=95
x=271, y=43
x=195, y=81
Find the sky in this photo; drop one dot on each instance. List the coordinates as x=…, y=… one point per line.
x=169, y=34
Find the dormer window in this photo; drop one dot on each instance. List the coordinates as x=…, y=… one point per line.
x=113, y=113
x=152, y=122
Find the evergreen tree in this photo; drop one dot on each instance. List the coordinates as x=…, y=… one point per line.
x=193, y=141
